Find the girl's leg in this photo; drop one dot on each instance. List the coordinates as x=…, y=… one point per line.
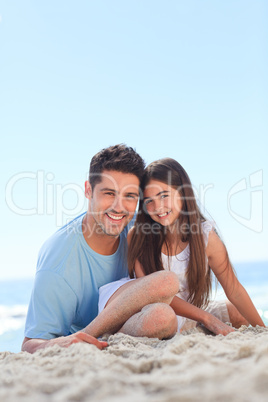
x=156, y=320
x=236, y=318
x=159, y=287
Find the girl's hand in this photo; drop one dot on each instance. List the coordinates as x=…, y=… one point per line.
x=217, y=326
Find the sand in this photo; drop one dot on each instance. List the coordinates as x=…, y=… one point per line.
x=190, y=367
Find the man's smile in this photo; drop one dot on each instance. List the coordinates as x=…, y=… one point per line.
x=114, y=217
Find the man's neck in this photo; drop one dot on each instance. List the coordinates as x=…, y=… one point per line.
x=101, y=243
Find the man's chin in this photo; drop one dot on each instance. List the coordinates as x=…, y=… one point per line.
x=113, y=230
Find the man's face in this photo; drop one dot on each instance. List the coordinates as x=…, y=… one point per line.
x=113, y=202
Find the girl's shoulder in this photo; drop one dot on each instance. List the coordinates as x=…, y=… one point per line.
x=207, y=227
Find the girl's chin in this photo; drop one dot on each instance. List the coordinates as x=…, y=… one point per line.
x=165, y=222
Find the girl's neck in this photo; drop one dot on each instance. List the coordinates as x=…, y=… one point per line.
x=173, y=245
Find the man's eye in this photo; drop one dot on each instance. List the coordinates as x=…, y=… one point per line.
x=132, y=197
x=112, y=194
x=164, y=196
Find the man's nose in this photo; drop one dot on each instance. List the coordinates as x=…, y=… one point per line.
x=118, y=204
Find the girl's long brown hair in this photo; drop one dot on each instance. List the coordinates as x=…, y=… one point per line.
x=148, y=236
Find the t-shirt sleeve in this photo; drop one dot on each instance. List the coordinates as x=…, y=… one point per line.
x=52, y=307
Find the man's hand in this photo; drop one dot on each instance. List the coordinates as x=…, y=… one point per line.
x=66, y=341
x=32, y=345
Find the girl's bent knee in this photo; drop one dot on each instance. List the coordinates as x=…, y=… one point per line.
x=167, y=284
x=164, y=319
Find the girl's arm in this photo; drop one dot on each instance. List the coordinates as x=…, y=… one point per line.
x=188, y=310
x=219, y=262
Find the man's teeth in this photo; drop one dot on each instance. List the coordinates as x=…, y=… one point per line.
x=115, y=217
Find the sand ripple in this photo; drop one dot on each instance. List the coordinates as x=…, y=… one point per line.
x=189, y=367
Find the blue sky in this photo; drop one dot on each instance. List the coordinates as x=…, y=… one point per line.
x=184, y=79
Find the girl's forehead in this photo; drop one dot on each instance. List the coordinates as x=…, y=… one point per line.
x=155, y=186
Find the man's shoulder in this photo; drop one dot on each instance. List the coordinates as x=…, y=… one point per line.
x=60, y=243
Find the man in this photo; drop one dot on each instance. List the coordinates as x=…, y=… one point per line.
x=89, y=252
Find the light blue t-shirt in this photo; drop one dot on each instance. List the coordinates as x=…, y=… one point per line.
x=69, y=273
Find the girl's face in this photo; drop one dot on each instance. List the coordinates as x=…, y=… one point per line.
x=163, y=202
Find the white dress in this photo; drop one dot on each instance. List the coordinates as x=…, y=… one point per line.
x=179, y=263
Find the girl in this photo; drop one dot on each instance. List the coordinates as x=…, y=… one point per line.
x=170, y=233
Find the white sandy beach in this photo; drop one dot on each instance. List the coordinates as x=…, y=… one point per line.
x=189, y=367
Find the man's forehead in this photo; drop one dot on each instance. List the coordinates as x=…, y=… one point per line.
x=117, y=180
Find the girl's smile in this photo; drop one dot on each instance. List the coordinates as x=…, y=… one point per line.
x=164, y=215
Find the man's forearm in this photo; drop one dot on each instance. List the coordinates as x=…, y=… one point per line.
x=32, y=345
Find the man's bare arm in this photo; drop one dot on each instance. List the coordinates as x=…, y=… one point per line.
x=32, y=345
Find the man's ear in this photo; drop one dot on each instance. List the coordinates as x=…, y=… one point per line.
x=88, y=190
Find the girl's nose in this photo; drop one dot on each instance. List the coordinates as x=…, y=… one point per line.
x=158, y=205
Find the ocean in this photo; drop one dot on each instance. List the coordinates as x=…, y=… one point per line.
x=15, y=296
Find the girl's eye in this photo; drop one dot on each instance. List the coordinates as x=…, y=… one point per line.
x=147, y=202
x=164, y=196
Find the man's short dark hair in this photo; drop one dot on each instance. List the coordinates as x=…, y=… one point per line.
x=117, y=157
